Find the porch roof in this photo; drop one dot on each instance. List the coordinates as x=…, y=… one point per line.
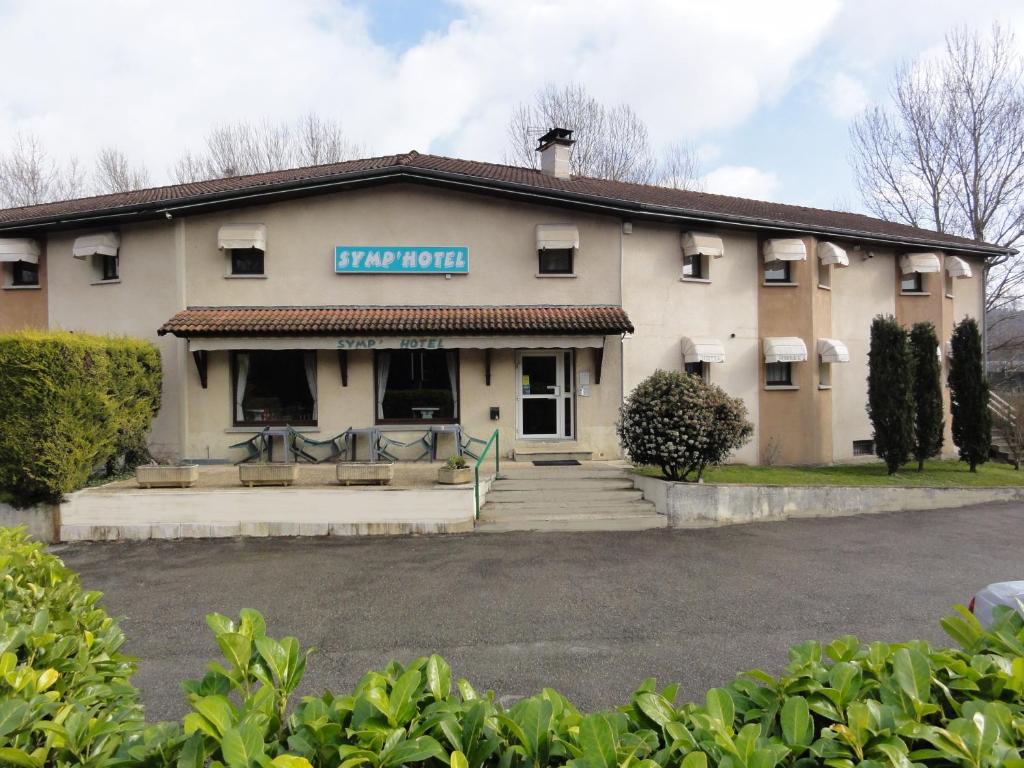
x=393, y=320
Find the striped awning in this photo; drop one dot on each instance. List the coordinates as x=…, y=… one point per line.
x=833, y=351
x=702, y=243
x=957, y=267
x=242, y=236
x=919, y=262
x=96, y=244
x=784, y=349
x=702, y=350
x=19, y=249
x=830, y=253
x=790, y=249
x=552, y=237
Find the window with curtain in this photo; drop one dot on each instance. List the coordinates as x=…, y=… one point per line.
x=274, y=387
x=417, y=386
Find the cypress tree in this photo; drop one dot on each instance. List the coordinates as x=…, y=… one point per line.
x=890, y=392
x=928, y=422
x=968, y=391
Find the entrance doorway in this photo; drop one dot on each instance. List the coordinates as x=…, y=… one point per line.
x=544, y=404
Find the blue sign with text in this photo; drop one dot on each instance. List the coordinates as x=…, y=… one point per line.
x=401, y=260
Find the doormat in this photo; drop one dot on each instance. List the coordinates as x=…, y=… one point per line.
x=557, y=463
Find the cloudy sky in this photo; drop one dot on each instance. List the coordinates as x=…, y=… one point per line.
x=766, y=90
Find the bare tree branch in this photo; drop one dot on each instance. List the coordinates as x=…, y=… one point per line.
x=113, y=173
x=681, y=168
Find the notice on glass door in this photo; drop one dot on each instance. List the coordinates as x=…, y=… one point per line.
x=526, y=385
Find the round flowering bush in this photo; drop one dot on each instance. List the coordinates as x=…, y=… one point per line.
x=677, y=422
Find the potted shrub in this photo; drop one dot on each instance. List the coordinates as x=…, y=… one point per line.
x=166, y=475
x=265, y=473
x=365, y=472
x=455, y=472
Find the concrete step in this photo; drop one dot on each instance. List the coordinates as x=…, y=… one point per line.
x=557, y=513
x=578, y=496
x=516, y=483
x=617, y=523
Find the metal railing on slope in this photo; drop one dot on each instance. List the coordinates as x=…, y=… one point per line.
x=476, y=468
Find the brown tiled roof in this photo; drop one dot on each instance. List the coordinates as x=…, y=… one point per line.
x=367, y=321
x=619, y=198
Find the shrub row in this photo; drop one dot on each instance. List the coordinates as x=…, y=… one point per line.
x=72, y=404
x=846, y=704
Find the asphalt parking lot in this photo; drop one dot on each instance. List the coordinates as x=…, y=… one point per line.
x=590, y=614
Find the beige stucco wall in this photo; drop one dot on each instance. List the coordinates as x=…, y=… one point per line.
x=136, y=306
x=24, y=307
x=860, y=292
x=339, y=407
x=664, y=310
x=969, y=293
x=500, y=235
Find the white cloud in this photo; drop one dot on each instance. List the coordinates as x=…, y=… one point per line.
x=151, y=77
x=742, y=181
x=845, y=95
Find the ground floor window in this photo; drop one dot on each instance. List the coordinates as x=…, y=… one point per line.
x=420, y=385
x=274, y=387
x=778, y=374
x=699, y=369
x=24, y=273
x=912, y=283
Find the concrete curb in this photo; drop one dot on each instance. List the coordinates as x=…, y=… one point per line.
x=690, y=505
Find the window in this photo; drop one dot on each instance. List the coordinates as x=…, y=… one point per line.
x=912, y=283
x=246, y=261
x=949, y=285
x=417, y=386
x=824, y=275
x=108, y=267
x=863, y=447
x=24, y=273
x=778, y=374
x=824, y=374
x=693, y=267
x=699, y=370
x=776, y=272
x=274, y=387
x=555, y=261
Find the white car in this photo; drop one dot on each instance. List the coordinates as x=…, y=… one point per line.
x=1009, y=593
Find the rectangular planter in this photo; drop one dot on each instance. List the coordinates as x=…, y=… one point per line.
x=365, y=472
x=155, y=476
x=460, y=476
x=268, y=474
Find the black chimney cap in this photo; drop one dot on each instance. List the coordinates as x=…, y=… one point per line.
x=555, y=136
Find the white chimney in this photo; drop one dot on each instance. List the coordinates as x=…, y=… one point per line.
x=554, y=147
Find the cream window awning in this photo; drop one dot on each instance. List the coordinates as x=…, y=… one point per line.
x=557, y=236
x=791, y=249
x=242, y=236
x=19, y=249
x=97, y=244
x=830, y=253
x=784, y=349
x=833, y=351
x=702, y=350
x=919, y=262
x=702, y=243
x=957, y=267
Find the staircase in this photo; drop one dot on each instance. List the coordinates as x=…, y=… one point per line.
x=1004, y=425
x=589, y=497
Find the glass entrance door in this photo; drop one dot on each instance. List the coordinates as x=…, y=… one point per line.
x=545, y=394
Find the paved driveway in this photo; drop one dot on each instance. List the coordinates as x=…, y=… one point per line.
x=590, y=614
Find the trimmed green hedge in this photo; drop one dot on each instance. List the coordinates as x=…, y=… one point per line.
x=72, y=403
x=67, y=701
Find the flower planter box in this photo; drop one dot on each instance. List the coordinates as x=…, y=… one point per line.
x=268, y=474
x=365, y=472
x=154, y=476
x=455, y=476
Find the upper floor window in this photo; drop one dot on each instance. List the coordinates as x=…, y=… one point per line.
x=777, y=272
x=100, y=250
x=555, y=261
x=556, y=248
x=699, y=248
x=693, y=267
x=24, y=274
x=778, y=374
x=109, y=267
x=246, y=261
x=912, y=283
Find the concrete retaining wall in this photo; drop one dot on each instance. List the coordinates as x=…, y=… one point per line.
x=41, y=520
x=689, y=505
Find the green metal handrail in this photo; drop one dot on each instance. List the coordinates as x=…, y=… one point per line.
x=476, y=469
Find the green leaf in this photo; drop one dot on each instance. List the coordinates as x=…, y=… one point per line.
x=404, y=696
x=720, y=706
x=193, y=753
x=12, y=715
x=458, y=760
x=414, y=751
x=242, y=745
x=237, y=649
x=290, y=761
x=18, y=757
x=912, y=673
x=597, y=739
x=797, y=724
x=656, y=707
x=217, y=711
x=439, y=677
x=695, y=760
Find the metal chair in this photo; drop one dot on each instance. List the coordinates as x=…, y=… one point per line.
x=339, y=446
x=385, y=444
x=296, y=440
x=255, y=447
x=471, y=446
